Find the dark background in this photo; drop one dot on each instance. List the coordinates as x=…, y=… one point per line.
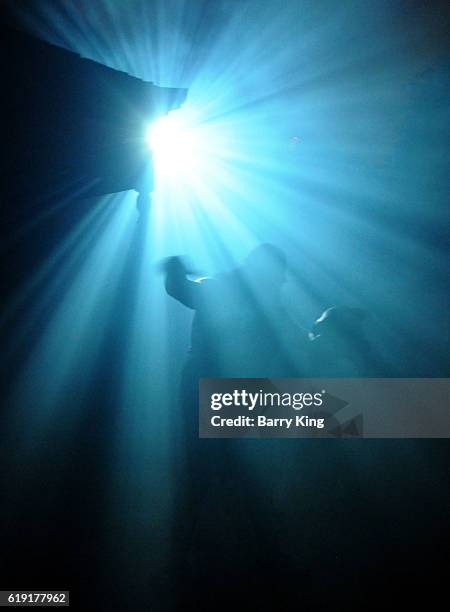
x=298, y=524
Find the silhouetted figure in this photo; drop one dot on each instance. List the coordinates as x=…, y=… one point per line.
x=339, y=348
x=240, y=329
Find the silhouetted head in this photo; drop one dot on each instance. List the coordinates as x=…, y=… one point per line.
x=266, y=264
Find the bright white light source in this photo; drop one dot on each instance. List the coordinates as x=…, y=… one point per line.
x=175, y=146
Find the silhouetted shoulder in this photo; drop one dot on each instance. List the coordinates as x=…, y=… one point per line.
x=207, y=290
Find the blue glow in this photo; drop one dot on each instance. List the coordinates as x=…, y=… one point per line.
x=323, y=144
x=317, y=127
